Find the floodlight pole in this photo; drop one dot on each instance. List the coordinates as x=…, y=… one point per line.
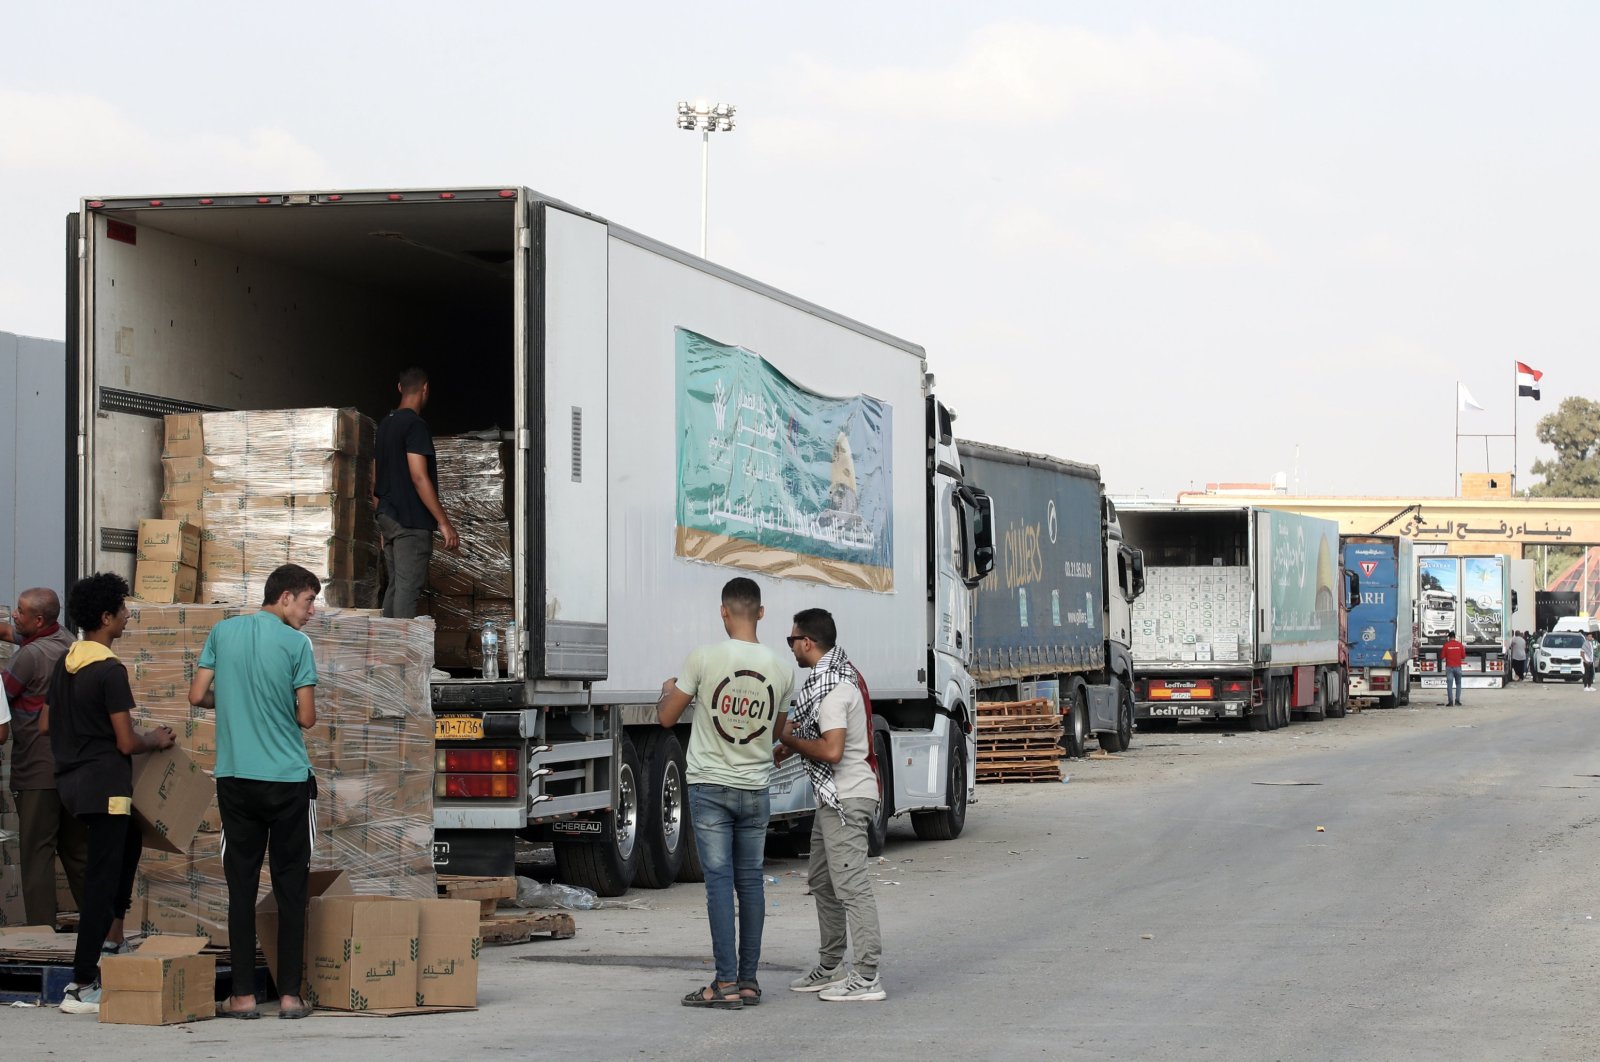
x=707, y=118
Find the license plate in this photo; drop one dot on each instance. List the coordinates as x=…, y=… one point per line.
x=457, y=729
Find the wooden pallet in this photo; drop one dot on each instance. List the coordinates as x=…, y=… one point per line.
x=1019, y=741
x=489, y=892
x=556, y=925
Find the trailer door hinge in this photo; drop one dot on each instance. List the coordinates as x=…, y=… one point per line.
x=83, y=248
x=524, y=439
x=525, y=238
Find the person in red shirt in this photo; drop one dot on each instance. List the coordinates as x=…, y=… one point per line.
x=1454, y=654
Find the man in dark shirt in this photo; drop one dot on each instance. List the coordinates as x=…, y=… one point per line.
x=406, y=482
x=94, y=742
x=44, y=832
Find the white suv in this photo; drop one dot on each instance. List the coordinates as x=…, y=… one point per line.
x=1558, y=654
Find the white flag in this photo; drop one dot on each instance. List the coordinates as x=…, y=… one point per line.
x=1464, y=399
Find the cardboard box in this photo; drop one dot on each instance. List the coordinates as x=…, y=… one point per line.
x=170, y=797
x=447, y=953
x=318, y=883
x=165, y=982
x=165, y=582
x=183, y=435
x=183, y=478
x=169, y=540
x=188, y=510
x=363, y=953
x=12, y=912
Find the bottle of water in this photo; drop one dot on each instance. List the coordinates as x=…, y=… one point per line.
x=513, y=652
x=491, y=651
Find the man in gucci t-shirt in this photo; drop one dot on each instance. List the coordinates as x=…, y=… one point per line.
x=739, y=688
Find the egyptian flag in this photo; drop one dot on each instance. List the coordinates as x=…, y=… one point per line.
x=1528, y=382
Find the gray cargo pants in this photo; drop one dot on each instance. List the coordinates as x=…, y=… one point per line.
x=840, y=885
x=406, y=552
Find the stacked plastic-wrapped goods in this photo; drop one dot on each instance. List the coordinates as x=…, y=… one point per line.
x=272, y=487
x=371, y=752
x=472, y=586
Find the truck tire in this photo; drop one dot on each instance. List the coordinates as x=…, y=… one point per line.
x=1075, y=738
x=664, y=806
x=946, y=825
x=690, y=869
x=878, y=828
x=608, y=866
x=1338, y=701
x=1122, y=737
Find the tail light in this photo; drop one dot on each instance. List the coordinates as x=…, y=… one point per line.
x=475, y=786
x=475, y=761
x=1236, y=687
x=1379, y=682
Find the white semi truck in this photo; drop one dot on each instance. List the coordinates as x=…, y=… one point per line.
x=671, y=428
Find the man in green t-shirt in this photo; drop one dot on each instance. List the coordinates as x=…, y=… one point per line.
x=264, y=696
x=739, y=688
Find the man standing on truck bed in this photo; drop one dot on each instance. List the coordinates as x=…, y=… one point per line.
x=740, y=689
x=405, y=479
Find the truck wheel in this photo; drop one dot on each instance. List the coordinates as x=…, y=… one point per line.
x=663, y=802
x=1402, y=697
x=608, y=866
x=946, y=825
x=1280, y=705
x=1075, y=739
x=1122, y=737
x=878, y=828
x=1336, y=700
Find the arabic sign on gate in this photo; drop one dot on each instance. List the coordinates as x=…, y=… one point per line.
x=1464, y=530
x=778, y=479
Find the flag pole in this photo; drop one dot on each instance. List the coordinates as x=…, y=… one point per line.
x=1516, y=397
x=1455, y=484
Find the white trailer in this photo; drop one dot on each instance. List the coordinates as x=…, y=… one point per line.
x=568, y=333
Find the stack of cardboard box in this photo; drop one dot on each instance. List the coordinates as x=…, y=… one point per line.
x=472, y=585
x=1193, y=614
x=168, y=565
x=371, y=753
x=271, y=487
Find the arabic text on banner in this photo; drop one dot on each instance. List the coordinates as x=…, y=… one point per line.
x=778, y=479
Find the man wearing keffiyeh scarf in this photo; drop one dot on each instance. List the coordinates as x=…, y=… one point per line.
x=829, y=728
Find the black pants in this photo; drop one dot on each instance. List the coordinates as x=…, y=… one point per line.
x=114, y=850
x=1588, y=675
x=266, y=818
x=47, y=831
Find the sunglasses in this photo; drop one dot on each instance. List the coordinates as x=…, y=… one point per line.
x=791, y=639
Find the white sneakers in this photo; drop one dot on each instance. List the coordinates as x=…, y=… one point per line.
x=819, y=977
x=855, y=989
x=81, y=999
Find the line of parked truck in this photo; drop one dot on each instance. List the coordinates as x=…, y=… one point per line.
x=671, y=427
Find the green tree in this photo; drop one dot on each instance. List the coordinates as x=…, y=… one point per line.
x=1574, y=431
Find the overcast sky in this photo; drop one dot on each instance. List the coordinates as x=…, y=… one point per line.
x=1177, y=240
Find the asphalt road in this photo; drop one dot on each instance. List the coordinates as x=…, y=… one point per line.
x=1163, y=905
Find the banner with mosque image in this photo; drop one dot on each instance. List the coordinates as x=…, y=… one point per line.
x=779, y=479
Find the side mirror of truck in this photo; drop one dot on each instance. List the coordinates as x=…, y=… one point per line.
x=1135, y=573
x=1352, y=589
x=981, y=522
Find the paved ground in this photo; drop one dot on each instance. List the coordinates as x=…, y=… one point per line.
x=1159, y=906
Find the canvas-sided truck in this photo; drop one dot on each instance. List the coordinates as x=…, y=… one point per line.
x=1467, y=598
x=1053, y=620
x=1382, y=624
x=670, y=427
x=1240, y=616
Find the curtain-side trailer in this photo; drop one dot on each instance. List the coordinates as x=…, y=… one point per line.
x=1053, y=621
x=1382, y=624
x=670, y=428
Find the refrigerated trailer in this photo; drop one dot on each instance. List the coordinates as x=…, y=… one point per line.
x=1240, y=615
x=1467, y=598
x=671, y=427
x=1054, y=619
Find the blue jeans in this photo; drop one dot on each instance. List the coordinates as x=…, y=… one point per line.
x=1452, y=684
x=730, y=832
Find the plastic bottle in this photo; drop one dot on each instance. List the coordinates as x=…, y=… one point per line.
x=491, y=651
x=513, y=652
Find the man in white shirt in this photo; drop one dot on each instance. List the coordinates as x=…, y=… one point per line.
x=740, y=690
x=829, y=728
